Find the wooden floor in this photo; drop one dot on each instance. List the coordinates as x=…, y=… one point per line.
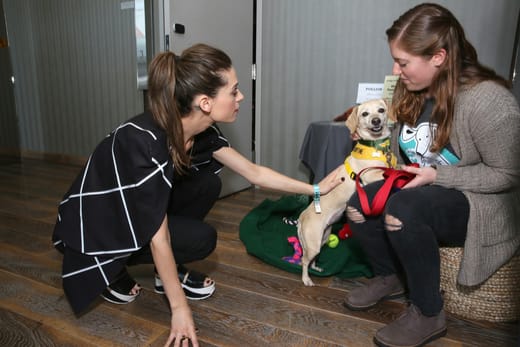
x=255, y=304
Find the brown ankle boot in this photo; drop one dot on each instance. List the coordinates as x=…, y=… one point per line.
x=377, y=289
x=412, y=329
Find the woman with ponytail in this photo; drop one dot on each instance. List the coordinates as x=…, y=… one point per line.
x=145, y=190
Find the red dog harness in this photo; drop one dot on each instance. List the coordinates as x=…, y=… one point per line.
x=393, y=179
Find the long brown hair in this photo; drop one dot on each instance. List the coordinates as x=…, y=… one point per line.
x=173, y=83
x=423, y=31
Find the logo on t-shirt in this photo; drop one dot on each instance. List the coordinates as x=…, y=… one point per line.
x=416, y=143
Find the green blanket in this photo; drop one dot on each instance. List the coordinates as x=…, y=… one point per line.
x=265, y=236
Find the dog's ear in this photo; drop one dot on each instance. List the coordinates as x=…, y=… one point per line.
x=352, y=120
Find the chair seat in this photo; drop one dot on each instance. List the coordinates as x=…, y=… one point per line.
x=495, y=300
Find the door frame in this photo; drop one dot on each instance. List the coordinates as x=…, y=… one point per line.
x=10, y=137
x=257, y=90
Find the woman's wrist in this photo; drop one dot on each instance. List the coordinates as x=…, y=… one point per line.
x=178, y=300
x=317, y=197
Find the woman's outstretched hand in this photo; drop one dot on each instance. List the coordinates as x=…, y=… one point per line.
x=332, y=180
x=182, y=330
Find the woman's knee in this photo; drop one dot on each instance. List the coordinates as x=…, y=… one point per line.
x=197, y=244
x=212, y=240
x=393, y=223
x=353, y=210
x=206, y=239
x=398, y=210
x=355, y=215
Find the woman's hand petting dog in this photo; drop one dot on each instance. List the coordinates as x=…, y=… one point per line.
x=423, y=175
x=332, y=180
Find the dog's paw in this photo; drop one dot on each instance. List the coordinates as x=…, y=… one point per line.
x=308, y=282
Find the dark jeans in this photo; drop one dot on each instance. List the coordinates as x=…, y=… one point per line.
x=191, y=199
x=431, y=216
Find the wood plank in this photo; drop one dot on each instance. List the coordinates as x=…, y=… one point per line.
x=30, y=241
x=23, y=223
x=17, y=330
x=331, y=300
x=216, y=327
x=39, y=268
x=255, y=304
x=35, y=189
x=102, y=326
x=39, y=209
x=224, y=329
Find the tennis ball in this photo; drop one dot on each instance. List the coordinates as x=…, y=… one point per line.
x=333, y=241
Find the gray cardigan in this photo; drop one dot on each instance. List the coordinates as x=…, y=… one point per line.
x=484, y=134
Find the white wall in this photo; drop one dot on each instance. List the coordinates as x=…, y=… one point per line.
x=314, y=53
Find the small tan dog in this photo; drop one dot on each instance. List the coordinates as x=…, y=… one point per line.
x=370, y=121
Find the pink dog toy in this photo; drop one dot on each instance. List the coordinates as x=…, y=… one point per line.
x=296, y=258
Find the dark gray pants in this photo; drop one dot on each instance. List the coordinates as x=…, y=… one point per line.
x=192, y=239
x=431, y=216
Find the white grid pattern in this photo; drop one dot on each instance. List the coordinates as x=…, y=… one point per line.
x=121, y=190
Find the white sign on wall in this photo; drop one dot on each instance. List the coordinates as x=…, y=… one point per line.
x=369, y=91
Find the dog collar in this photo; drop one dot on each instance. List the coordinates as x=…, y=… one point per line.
x=381, y=144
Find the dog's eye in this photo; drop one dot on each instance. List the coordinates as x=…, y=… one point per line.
x=381, y=110
x=364, y=114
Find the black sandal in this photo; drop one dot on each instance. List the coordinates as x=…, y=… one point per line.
x=193, y=283
x=118, y=292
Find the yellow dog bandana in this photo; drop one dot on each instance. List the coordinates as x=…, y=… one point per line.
x=371, y=150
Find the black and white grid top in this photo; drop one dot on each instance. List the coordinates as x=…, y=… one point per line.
x=117, y=203
x=203, y=147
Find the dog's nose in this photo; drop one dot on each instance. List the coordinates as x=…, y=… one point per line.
x=376, y=121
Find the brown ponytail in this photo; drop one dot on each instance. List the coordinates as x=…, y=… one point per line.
x=173, y=83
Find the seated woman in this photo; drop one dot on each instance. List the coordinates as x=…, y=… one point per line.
x=460, y=123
